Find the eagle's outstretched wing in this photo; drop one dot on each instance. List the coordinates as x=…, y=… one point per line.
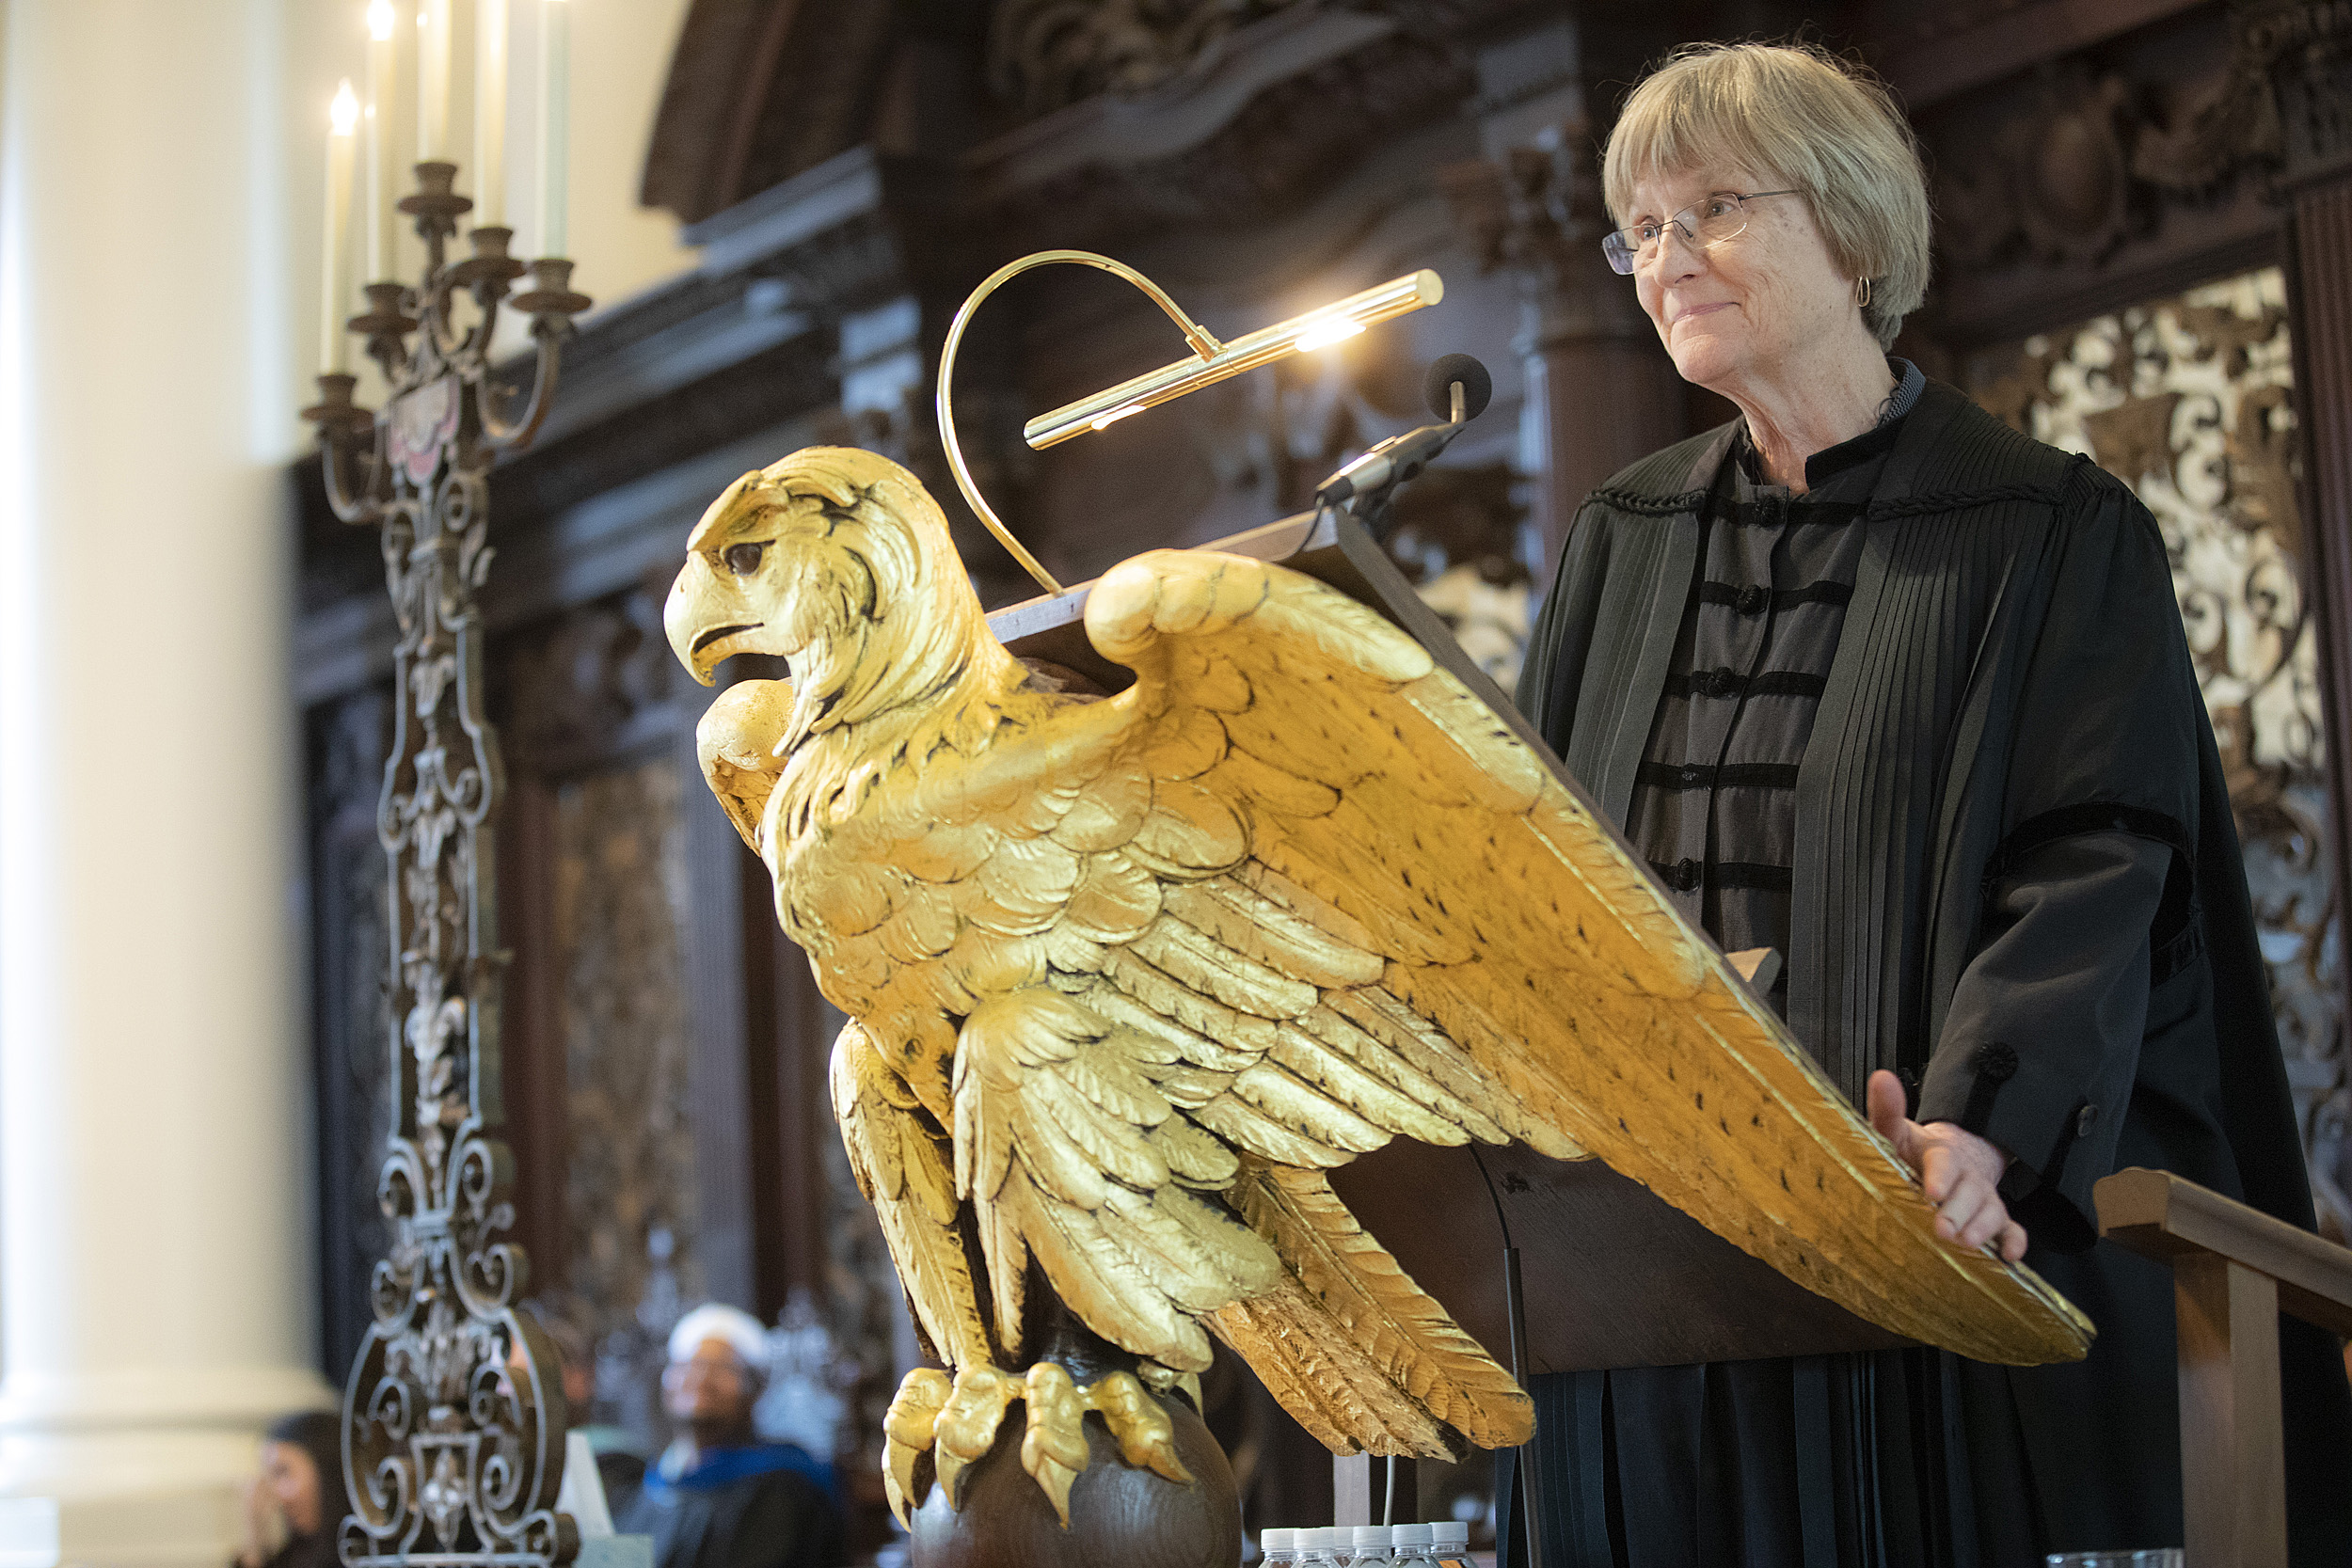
x=1400, y=819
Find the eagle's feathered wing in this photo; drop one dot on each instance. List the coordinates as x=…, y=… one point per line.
x=1295, y=893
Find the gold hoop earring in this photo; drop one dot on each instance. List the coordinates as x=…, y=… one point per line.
x=1862, y=293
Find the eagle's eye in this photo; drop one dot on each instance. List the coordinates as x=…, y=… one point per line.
x=743, y=559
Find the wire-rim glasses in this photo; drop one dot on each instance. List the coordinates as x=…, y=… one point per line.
x=1718, y=216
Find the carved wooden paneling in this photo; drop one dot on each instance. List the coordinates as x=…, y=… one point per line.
x=619, y=899
x=2189, y=400
x=352, y=1017
x=2321, y=267
x=1046, y=55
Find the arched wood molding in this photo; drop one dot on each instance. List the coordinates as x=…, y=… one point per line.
x=759, y=90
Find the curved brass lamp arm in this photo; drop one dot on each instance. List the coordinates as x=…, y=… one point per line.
x=1215, y=362
x=1203, y=344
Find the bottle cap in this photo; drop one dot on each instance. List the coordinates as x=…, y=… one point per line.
x=1450, y=1532
x=1312, y=1540
x=1414, y=1535
x=1371, y=1535
x=1276, y=1540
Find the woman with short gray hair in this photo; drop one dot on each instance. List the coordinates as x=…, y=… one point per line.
x=1875, y=681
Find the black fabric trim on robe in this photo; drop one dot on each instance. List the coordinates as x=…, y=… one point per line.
x=2011, y=650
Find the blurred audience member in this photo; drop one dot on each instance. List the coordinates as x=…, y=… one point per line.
x=620, y=1458
x=295, y=1507
x=719, y=1498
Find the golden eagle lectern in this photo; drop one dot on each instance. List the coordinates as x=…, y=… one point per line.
x=1127, y=975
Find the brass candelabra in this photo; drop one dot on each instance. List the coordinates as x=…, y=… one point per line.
x=453, y=1417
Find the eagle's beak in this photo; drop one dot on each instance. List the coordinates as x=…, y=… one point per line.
x=702, y=623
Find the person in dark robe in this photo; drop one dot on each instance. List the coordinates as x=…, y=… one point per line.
x=1873, y=680
x=719, y=1498
x=296, y=1506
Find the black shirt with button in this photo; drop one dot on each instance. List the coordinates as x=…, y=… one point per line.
x=1715, y=807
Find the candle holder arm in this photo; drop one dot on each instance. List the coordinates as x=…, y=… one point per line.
x=352, y=477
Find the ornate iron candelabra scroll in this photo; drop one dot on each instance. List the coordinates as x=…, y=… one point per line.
x=454, y=1419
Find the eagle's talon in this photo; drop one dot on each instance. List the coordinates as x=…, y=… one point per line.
x=966, y=1427
x=1147, y=1437
x=1053, y=1449
x=907, y=1435
x=1164, y=1379
x=958, y=1423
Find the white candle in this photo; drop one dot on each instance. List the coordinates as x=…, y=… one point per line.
x=433, y=81
x=382, y=62
x=555, y=114
x=489, y=114
x=334, y=302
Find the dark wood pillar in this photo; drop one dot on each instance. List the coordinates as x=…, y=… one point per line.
x=802, y=1031
x=725, y=1044
x=2319, y=290
x=1601, y=390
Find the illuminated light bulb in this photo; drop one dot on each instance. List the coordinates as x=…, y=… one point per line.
x=379, y=19
x=1212, y=361
x=1324, y=334
x=343, y=113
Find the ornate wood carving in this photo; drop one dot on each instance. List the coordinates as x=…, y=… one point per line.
x=1234, y=167
x=2190, y=401
x=620, y=908
x=2322, y=289
x=351, y=1009
x=1046, y=55
x=588, y=685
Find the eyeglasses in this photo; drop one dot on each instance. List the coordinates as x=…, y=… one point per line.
x=1722, y=215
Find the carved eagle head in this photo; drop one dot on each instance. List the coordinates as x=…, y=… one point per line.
x=838, y=560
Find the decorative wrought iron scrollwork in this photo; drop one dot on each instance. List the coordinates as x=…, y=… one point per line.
x=454, y=1419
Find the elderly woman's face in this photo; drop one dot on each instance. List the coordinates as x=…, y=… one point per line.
x=1741, y=311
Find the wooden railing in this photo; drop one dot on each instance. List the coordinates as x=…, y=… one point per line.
x=2234, y=1270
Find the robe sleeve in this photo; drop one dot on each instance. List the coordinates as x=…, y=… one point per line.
x=2088, y=898
x=2043, y=1040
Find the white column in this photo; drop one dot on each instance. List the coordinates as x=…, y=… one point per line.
x=154, y=1264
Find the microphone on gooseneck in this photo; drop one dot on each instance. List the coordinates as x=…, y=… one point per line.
x=1458, y=389
x=1457, y=370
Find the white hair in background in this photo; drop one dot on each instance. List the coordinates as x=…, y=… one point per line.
x=718, y=1321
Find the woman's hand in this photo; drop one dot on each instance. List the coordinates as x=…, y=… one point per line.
x=1961, y=1172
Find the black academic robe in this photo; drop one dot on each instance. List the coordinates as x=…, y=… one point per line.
x=776, y=1519
x=2012, y=676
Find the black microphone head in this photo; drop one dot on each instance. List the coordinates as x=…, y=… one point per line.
x=1478, y=387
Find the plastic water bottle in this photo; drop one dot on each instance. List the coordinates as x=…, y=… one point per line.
x=1371, y=1542
x=1277, y=1548
x=1412, y=1544
x=1450, y=1541
x=1312, y=1549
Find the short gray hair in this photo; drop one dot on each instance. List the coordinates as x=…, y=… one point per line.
x=1807, y=120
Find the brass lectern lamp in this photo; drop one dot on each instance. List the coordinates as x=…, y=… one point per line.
x=1134, y=981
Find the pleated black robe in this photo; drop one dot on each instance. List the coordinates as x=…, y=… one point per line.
x=2011, y=677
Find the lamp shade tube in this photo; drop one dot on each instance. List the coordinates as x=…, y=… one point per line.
x=1317, y=327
